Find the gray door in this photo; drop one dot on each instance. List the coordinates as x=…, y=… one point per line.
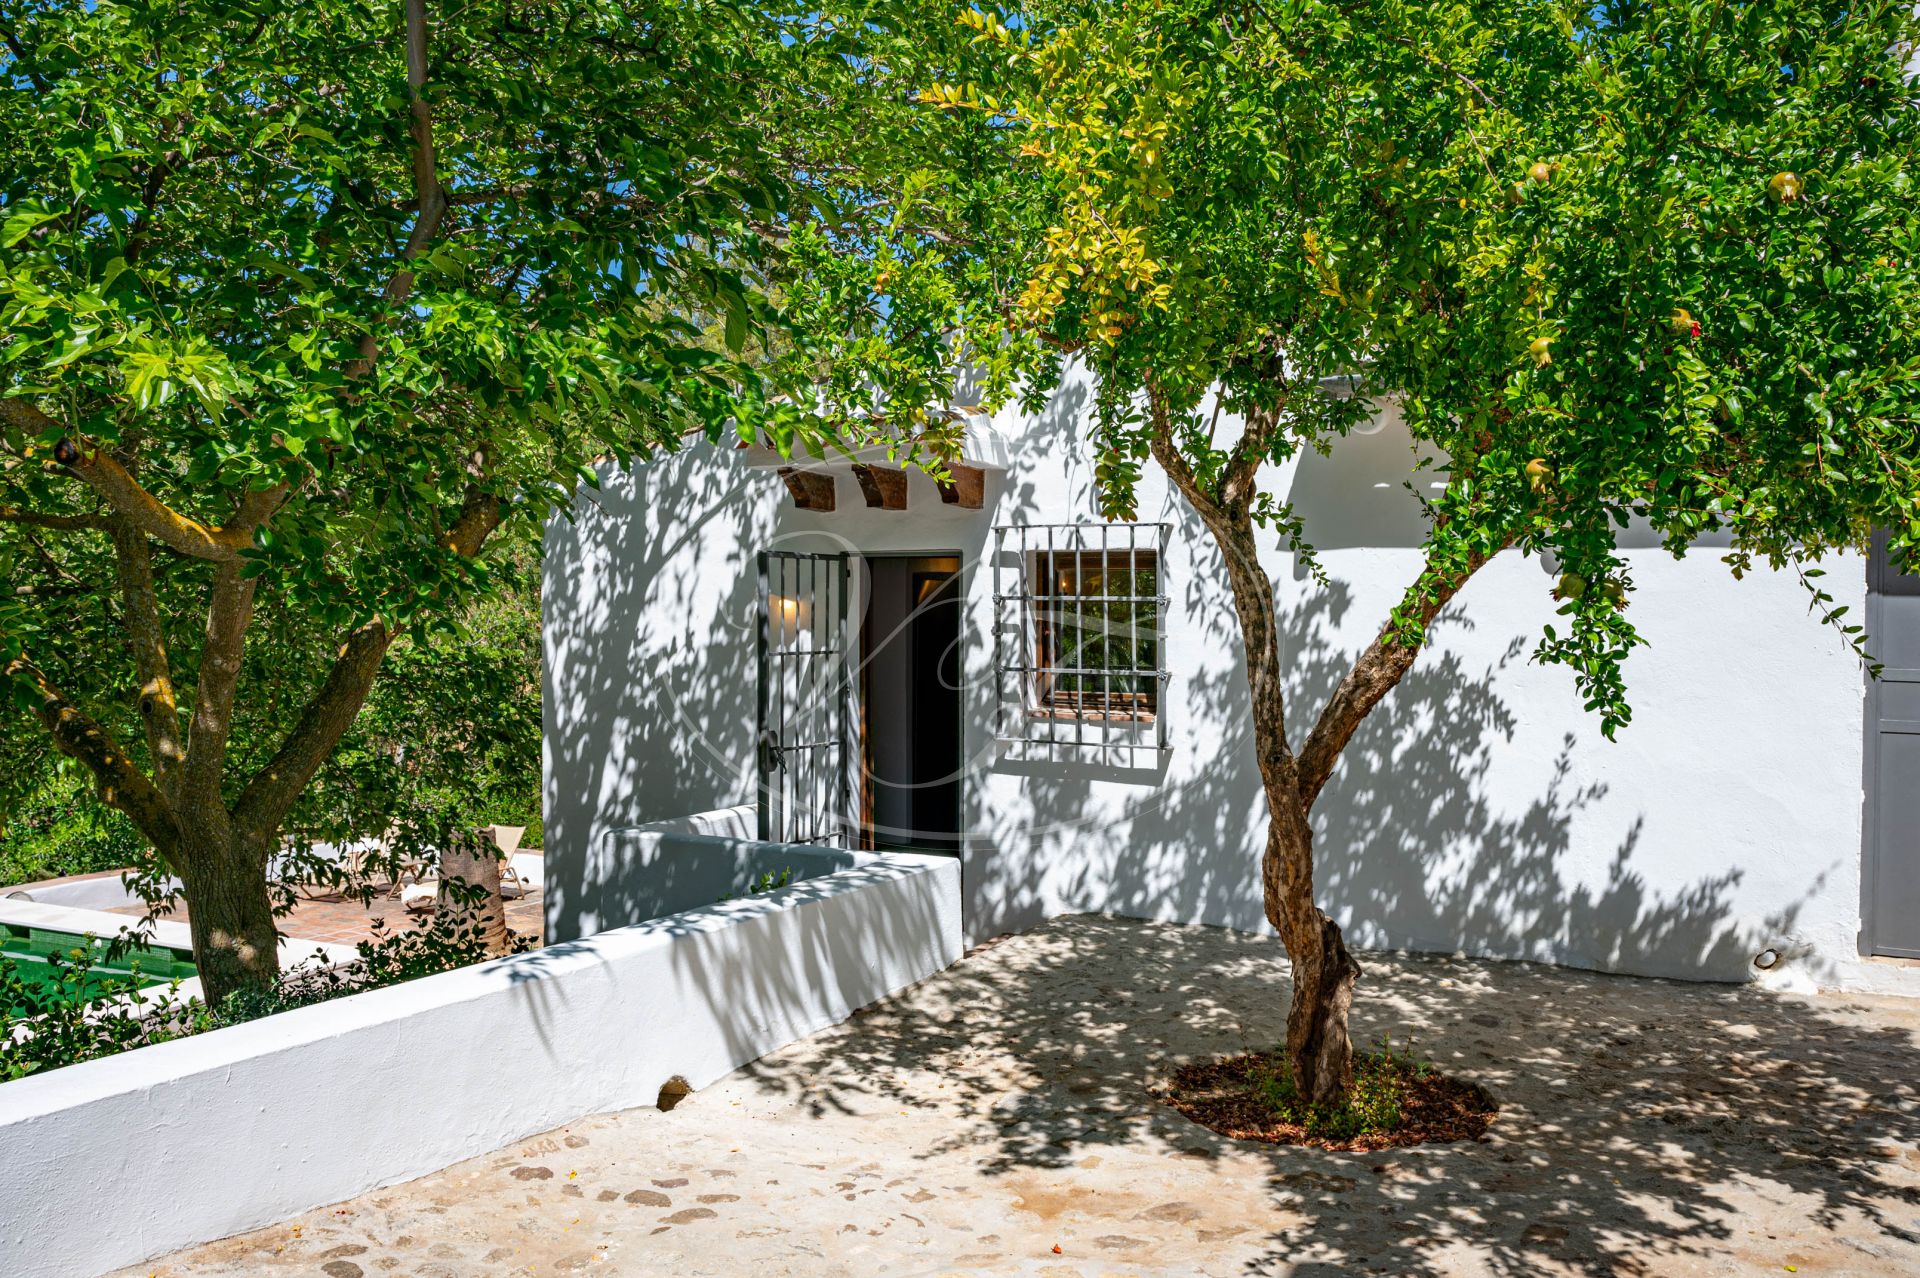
x=1891, y=884
x=805, y=698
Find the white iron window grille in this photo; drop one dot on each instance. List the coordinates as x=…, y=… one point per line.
x=1078, y=660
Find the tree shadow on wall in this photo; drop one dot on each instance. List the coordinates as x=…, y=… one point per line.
x=1681, y=1090
x=1632, y=1108
x=650, y=627
x=1410, y=849
x=633, y=660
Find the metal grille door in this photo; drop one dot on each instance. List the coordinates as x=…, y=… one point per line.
x=805, y=698
x=1892, y=879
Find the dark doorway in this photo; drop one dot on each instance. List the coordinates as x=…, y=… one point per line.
x=910, y=704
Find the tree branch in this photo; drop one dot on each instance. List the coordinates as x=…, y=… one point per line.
x=480, y=513
x=121, y=784
x=1378, y=671
x=21, y=61
x=429, y=196
x=1243, y=463
x=150, y=515
x=133, y=503
x=58, y=523
x=21, y=415
x=274, y=789
x=1438, y=65
x=1232, y=530
x=133, y=569
x=1174, y=462
x=229, y=612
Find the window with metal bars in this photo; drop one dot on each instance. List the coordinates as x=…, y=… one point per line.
x=1078, y=634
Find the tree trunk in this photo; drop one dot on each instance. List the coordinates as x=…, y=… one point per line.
x=1319, y=1043
x=230, y=913
x=470, y=888
x=1319, y=1046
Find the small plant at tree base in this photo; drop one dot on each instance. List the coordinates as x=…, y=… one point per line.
x=1395, y=1099
x=1372, y=1106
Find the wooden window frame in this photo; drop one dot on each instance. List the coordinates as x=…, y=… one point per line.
x=1049, y=587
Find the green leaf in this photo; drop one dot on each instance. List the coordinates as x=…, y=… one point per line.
x=19, y=225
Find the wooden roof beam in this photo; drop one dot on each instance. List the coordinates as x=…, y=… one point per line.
x=965, y=487
x=884, y=487
x=811, y=489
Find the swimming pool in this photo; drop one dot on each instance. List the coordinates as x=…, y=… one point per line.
x=31, y=950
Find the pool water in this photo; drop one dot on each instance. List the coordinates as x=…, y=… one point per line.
x=29, y=949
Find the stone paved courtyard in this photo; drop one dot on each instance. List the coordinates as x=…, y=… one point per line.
x=996, y=1120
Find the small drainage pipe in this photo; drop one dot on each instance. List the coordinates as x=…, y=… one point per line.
x=1781, y=952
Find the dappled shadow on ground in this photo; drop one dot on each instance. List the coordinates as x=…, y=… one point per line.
x=1646, y=1127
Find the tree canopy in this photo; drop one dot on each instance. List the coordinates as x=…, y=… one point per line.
x=1615, y=263
x=301, y=305
x=1618, y=264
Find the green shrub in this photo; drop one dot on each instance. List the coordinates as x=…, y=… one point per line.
x=67, y=1023
x=59, y=828
x=762, y=884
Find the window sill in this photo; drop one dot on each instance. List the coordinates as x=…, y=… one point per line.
x=1090, y=716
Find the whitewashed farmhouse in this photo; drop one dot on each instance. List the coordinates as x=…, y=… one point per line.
x=853, y=655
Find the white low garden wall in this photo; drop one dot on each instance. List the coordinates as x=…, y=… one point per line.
x=221, y=1133
x=650, y=872
x=739, y=822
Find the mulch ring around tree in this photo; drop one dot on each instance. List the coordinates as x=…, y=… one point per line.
x=1232, y=1095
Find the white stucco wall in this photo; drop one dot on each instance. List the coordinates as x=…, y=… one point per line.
x=1479, y=809
x=246, y=1126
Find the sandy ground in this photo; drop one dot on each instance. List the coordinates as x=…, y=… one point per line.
x=994, y=1120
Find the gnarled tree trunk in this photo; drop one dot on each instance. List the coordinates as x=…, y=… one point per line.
x=1319, y=1046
